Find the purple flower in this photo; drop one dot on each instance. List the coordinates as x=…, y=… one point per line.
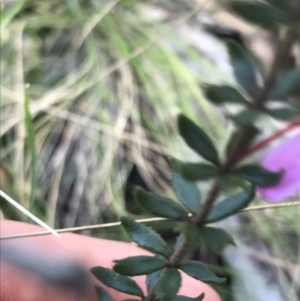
x=284, y=156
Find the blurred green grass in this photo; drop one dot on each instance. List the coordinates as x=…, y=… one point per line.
x=94, y=106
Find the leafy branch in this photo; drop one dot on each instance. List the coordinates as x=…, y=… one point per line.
x=193, y=215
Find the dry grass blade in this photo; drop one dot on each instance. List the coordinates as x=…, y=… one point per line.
x=60, y=93
x=26, y=212
x=143, y=221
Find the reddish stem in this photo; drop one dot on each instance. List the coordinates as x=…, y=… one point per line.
x=268, y=140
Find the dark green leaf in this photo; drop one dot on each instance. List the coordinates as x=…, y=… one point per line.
x=139, y=265
x=116, y=281
x=160, y=206
x=8, y=12
x=252, y=132
x=144, y=236
x=243, y=67
x=180, y=238
x=151, y=279
x=258, y=175
x=217, y=239
x=185, y=298
x=247, y=117
x=168, y=284
x=187, y=192
x=191, y=233
x=231, y=205
x=280, y=4
x=198, y=171
x=258, y=12
x=284, y=114
x=200, y=272
x=197, y=139
x=224, y=94
x=230, y=183
x=102, y=294
x=130, y=299
x=286, y=85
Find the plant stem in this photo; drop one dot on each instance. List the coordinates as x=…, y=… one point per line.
x=151, y=295
x=269, y=140
x=200, y=217
x=198, y=220
x=279, y=63
x=242, y=137
x=179, y=253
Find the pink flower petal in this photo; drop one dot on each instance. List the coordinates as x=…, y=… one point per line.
x=285, y=156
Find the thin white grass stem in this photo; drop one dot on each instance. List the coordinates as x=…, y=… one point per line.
x=27, y=213
x=143, y=221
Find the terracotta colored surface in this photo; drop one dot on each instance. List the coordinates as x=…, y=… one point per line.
x=19, y=284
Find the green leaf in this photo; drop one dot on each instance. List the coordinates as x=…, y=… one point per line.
x=139, y=265
x=258, y=175
x=197, y=139
x=243, y=67
x=160, y=206
x=231, y=205
x=286, y=85
x=116, y=281
x=168, y=284
x=258, y=12
x=186, y=192
x=190, y=232
x=185, y=298
x=151, y=279
x=247, y=117
x=200, y=272
x=144, y=236
x=230, y=183
x=8, y=14
x=252, y=132
x=224, y=94
x=284, y=114
x=283, y=5
x=217, y=239
x=179, y=239
x=198, y=171
x=102, y=294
